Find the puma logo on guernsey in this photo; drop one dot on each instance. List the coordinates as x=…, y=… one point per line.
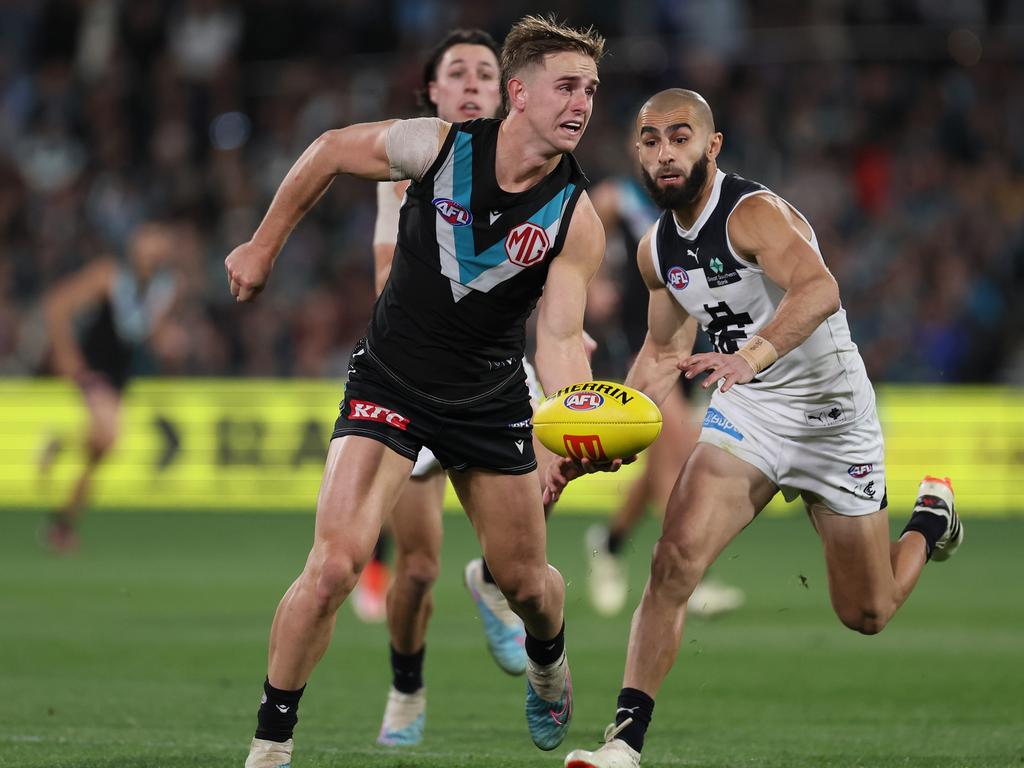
x=592, y=386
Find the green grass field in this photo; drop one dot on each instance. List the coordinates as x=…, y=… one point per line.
x=148, y=650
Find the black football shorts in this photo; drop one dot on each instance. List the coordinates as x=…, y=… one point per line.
x=491, y=432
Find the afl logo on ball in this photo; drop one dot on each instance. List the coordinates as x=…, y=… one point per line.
x=677, y=278
x=452, y=212
x=583, y=401
x=527, y=244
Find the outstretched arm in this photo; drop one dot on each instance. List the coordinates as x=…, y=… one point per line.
x=561, y=356
x=87, y=287
x=670, y=333
x=765, y=229
x=380, y=151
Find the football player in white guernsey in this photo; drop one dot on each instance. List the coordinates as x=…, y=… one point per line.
x=793, y=409
x=549, y=76
x=461, y=80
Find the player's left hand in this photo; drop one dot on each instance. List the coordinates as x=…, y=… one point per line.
x=728, y=369
x=563, y=470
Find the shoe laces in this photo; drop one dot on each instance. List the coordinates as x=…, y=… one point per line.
x=614, y=729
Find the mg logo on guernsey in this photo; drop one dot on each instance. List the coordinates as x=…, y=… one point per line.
x=583, y=401
x=678, y=278
x=452, y=212
x=361, y=410
x=527, y=244
x=584, y=447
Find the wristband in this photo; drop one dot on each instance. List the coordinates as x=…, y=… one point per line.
x=759, y=353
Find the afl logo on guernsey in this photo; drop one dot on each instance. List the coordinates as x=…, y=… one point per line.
x=452, y=212
x=527, y=244
x=677, y=278
x=583, y=401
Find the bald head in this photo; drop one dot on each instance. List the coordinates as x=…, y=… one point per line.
x=678, y=147
x=677, y=104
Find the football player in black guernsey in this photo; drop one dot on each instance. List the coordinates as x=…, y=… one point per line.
x=495, y=215
x=122, y=303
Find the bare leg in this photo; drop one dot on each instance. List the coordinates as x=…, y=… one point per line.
x=869, y=577
x=508, y=515
x=718, y=494
x=362, y=480
x=416, y=524
x=104, y=405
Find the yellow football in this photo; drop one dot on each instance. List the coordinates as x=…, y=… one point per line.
x=598, y=420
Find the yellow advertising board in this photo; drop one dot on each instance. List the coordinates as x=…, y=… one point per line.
x=250, y=445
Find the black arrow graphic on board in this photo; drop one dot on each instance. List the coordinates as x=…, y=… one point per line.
x=172, y=443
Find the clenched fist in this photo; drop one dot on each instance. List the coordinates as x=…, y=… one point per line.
x=248, y=267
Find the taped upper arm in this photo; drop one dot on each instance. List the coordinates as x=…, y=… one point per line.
x=413, y=145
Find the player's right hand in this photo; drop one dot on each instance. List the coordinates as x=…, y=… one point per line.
x=248, y=268
x=563, y=470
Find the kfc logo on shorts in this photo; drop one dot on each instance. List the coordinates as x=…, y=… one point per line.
x=527, y=244
x=583, y=401
x=678, y=278
x=361, y=410
x=452, y=212
x=860, y=470
x=584, y=447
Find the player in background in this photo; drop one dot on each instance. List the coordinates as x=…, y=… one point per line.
x=121, y=304
x=627, y=213
x=461, y=81
x=793, y=409
x=496, y=215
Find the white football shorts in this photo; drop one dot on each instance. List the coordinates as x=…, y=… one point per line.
x=844, y=470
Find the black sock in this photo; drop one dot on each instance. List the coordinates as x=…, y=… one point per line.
x=407, y=670
x=615, y=542
x=638, y=707
x=279, y=712
x=929, y=525
x=485, y=573
x=546, y=652
x=382, y=547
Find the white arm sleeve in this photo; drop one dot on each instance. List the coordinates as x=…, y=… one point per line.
x=412, y=146
x=388, y=207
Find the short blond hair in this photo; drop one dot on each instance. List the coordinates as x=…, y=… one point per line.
x=534, y=37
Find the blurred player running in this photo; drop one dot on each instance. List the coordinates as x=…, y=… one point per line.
x=627, y=213
x=460, y=82
x=795, y=410
x=497, y=214
x=127, y=302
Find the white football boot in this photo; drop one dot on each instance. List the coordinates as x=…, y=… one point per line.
x=614, y=753
x=404, y=718
x=269, y=754
x=713, y=598
x=607, y=579
x=935, y=495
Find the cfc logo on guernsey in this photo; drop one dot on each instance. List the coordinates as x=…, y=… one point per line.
x=527, y=244
x=678, y=278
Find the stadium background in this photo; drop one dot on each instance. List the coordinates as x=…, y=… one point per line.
x=895, y=126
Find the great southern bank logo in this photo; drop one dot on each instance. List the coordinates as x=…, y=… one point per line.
x=452, y=212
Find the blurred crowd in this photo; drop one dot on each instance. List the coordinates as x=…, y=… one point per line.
x=894, y=126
